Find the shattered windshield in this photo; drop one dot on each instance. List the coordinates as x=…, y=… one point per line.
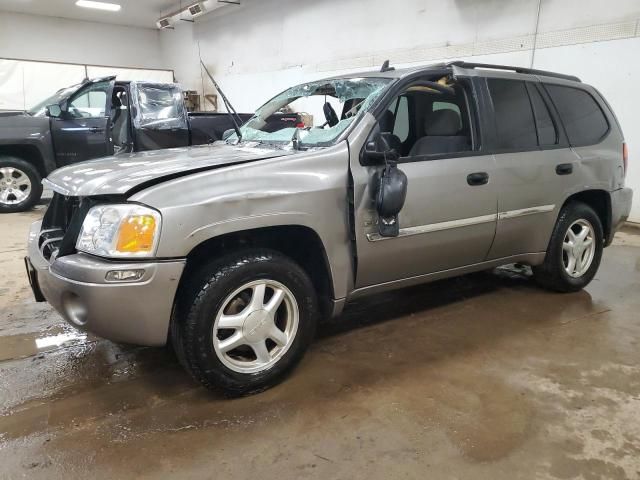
x=312, y=114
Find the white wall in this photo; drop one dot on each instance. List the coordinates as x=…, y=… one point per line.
x=53, y=53
x=51, y=39
x=264, y=46
x=180, y=51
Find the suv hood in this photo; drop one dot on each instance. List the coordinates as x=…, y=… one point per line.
x=123, y=173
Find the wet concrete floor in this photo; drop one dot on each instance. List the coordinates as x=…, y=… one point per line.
x=482, y=377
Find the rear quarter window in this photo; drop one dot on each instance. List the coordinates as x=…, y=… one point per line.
x=583, y=119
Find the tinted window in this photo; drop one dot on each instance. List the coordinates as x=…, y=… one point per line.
x=547, y=134
x=582, y=117
x=514, y=118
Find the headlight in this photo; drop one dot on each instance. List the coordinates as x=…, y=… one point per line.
x=121, y=231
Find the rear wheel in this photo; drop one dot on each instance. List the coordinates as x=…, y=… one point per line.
x=245, y=321
x=20, y=185
x=575, y=250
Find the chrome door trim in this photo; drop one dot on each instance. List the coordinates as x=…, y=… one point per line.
x=463, y=222
x=435, y=227
x=525, y=211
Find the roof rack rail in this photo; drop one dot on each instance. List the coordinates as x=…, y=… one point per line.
x=530, y=71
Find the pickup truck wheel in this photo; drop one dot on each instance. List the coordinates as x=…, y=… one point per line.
x=20, y=185
x=574, y=252
x=245, y=321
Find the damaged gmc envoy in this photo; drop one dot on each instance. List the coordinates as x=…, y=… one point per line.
x=231, y=252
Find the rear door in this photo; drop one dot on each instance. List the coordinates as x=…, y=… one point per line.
x=159, y=116
x=82, y=131
x=534, y=166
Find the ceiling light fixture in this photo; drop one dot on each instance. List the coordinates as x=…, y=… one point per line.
x=111, y=7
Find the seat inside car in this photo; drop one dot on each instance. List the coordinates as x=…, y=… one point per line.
x=119, y=121
x=442, y=134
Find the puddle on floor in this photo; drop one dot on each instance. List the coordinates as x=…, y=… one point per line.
x=14, y=347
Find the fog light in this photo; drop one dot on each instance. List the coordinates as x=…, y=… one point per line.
x=124, y=275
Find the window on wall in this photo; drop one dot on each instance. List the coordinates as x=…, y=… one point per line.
x=547, y=133
x=515, y=127
x=581, y=115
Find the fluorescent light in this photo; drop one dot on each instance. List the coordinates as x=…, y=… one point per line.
x=112, y=7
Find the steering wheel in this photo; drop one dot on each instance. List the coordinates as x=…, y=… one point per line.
x=330, y=114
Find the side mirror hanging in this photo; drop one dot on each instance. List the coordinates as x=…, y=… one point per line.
x=390, y=198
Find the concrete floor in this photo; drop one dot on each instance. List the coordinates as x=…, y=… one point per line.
x=482, y=377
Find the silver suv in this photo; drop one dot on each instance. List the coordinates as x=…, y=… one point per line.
x=233, y=251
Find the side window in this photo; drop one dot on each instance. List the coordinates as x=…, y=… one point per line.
x=161, y=106
x=429, y=123
x=547, y=133
x=401, y=124
x=90, y=102
x=515, y=128
x=581, y=115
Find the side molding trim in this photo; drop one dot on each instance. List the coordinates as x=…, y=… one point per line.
x=525, y=211
x=463, y=222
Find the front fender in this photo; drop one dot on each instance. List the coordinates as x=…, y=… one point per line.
x=307, y=189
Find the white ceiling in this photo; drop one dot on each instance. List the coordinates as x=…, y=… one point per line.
x=139, y=13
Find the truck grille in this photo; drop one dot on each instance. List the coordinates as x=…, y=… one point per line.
x=61, y=226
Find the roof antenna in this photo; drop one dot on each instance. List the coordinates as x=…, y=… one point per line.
x=386, y=67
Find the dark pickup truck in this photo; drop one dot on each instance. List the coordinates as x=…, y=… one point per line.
x=96, y=118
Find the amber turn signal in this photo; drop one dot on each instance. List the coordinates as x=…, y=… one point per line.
x=136, y=234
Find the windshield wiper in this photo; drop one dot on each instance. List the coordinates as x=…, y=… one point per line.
x=235, y=118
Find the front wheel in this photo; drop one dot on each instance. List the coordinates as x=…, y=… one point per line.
x=244, y=322
x=574, y=251
x=20, y=185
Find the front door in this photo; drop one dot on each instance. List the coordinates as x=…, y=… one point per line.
x=82, y=131
x=449, y=216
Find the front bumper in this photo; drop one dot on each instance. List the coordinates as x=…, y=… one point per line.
x=130, y=312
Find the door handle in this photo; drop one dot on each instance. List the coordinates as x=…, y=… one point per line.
x=96, y=130
x=564, y=169
x=478, y=178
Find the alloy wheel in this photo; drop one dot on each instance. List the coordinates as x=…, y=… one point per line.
x=15, y=186
x=578, y=248
x=255, y=326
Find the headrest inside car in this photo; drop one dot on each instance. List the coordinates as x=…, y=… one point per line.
x=445, y=122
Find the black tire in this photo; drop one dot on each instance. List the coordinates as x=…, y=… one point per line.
x=36, y=185
x=552, y=274
x=203, y=294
